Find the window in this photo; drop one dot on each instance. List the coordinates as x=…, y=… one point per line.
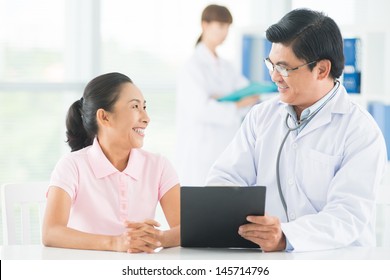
x=49, y=50
x=149, y=41
x=32, y=65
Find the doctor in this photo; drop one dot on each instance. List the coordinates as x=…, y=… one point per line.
x=320, y=155
x=204, y=125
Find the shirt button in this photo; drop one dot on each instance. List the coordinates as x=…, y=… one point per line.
x=295, y=145
x=290, y=181
x=123, y=194
x=292, y=216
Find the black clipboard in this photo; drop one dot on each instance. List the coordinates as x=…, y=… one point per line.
x=211, y=216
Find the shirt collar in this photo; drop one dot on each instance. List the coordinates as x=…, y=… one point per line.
x=305, y=113
x=102, y=167
x=205, y=54
x=136, y=163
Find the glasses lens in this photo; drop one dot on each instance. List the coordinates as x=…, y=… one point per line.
x=269, y=65
x=280, y=69
x=283, y=71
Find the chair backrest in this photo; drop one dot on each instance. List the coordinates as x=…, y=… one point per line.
x=23, y=206
x=383, y=216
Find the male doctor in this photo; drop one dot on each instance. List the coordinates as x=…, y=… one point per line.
x=320, y=155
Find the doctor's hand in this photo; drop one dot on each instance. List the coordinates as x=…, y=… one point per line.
x=265, y=231
x=142, y=236
x=248, y=101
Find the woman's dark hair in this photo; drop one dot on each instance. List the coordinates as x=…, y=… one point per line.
x=312, y=36
x=101, y=92
x=215, y=13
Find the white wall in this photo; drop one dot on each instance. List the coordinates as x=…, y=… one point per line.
x=372, y=21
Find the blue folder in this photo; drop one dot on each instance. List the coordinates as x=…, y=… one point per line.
x=381, y=114
x=252, y=89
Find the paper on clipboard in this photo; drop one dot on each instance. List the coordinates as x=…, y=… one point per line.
x=252, y=89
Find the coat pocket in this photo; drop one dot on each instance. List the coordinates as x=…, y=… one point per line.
x=316, y=175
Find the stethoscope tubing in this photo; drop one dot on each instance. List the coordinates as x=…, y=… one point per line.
x=290, y=129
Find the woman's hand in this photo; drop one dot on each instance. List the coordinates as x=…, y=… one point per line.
x=248, y=101
x=140, y=237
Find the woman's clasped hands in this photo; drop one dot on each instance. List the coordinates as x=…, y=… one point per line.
x=140, y=237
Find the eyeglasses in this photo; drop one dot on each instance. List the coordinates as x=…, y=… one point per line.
x=281, y=69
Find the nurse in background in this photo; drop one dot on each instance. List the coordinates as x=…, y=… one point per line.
x=204, y=125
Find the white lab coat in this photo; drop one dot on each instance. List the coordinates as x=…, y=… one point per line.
x=329, y=172
x=204, y=126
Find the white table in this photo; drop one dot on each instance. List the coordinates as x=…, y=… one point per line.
x=349, y=263
x=39, y=252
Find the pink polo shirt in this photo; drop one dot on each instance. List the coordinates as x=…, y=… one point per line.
x=103, y=197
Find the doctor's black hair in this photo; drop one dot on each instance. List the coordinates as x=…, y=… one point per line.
x=312, y=36
x=215, y=13
x=101, y=92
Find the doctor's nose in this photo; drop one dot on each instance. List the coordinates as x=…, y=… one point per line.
x=276, y=77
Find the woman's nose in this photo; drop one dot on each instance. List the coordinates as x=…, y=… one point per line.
x=145, y=117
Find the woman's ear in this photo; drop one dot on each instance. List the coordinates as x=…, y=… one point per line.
x=102, y=117
x=204, y=25
x=323, y=69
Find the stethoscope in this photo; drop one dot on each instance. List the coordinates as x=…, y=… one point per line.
x=290, y=129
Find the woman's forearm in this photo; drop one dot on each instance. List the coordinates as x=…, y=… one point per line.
x=171, y=237
x=65, y=237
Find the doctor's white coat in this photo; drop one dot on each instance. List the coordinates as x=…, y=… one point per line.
x=204, y=126
x=329, y=172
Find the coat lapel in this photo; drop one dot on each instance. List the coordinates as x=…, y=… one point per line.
x=340, y=104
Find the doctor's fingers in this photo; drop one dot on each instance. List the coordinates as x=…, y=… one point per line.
x=264, y=244
x=270, y=239
x=272, y=233
x=256, y=228
x=264, y=220
x=261, y=234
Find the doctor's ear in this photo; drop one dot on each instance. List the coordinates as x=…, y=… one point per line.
x=323, y=68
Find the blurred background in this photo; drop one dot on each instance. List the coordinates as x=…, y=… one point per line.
x=50, y=49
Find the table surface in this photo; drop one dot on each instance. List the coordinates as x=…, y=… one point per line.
x=40, y=252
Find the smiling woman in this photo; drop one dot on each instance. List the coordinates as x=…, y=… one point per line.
x=103, y=195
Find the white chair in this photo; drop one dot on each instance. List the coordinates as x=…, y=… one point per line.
x=383, y=216
x=23, y=207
